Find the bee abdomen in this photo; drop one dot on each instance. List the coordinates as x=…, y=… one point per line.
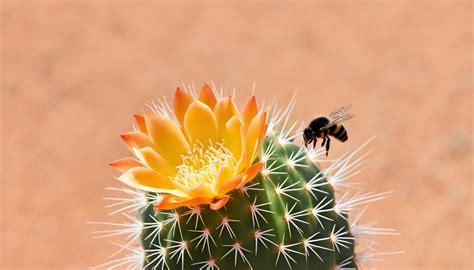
x=339, y=132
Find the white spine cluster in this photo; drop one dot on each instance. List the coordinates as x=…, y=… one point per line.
x=225, y=224
x=262, y=237
x=203, y=237
x=310, y=245
x=157, y=257
x=257, y=211
x=294, y=220
x=238, y=250
x=180, y=249
x=282, y=190
x=286, y=252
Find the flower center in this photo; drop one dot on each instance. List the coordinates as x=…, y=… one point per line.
x=202, y=163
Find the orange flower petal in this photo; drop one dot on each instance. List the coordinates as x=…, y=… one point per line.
x=254, y=139
x=202, y=190
x=250, y=173
x=181, y=102
x=232, y=135
x=230, y=185
x=225, y=173
x=220, y=203
x=169, y=202
x=155, y=161
x=125, y=164
x=237, y=181
x=168, y=138
x=249, y=111
x=148, y=180
x=140, y=120
x=224, y=110
x=207, y=96
x=137, y=140
x=200, y=123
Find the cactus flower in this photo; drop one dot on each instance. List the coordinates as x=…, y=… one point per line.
x=199, y=154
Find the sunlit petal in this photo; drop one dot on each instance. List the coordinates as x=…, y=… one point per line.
x=140, y=120
x=225, y=173
x=155, y=161
x=181, y=102
x=232, y=135
x=200, y=124
x=207, y=96
x=137, y=140
x=254, y=138
x=224, y=110
x=249, y=111
x=168, y=138
x=148, y=180
x=125, y=164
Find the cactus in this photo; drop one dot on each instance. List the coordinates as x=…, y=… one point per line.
x=286, y=217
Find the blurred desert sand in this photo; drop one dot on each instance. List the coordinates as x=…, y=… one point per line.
x=73, y=73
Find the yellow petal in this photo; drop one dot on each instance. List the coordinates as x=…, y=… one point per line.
x=224, y=110
x=249, y=111
x=181, y=102
x=168, y=138
x=207, y=96
x=140, y=120
x=200, y=123
x=232, y=136
x=125, y=164
x=148, y=180
x=155, y=161
x=254, y=138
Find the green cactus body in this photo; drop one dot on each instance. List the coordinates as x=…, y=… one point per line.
x=285, y=218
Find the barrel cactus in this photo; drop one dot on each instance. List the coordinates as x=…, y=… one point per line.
x=215, y=187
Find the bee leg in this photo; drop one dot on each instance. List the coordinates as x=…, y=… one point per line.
x=327, y=146
x=314, y=142
x=324, y=141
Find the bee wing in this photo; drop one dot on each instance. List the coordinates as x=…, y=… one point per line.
x=339, y=115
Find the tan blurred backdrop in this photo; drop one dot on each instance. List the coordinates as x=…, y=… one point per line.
x=73, y=73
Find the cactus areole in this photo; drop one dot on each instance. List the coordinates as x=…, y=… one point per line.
x=228, y=188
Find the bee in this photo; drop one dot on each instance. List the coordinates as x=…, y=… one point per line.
x=323, y=126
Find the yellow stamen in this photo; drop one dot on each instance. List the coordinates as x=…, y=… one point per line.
x=201, y=164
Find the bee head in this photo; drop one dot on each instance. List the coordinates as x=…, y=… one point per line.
x=307, y=134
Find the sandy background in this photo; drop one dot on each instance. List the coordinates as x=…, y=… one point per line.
x=74, y=73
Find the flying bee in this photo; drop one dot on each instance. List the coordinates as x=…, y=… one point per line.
x=323, y=126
